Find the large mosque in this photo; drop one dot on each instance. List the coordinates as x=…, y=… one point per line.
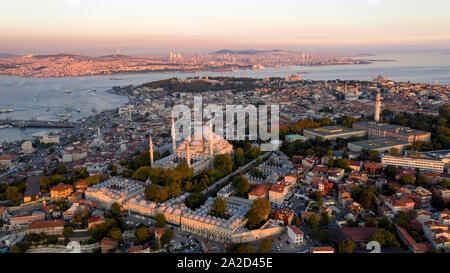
x=198, y=153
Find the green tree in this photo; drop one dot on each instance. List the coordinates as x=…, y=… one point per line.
x=402, y=219
x=20, y=247
x=142, y=235
x=265, y=246
x=241, y=248
x=223, y=163
x=394, y=151
x=174, y=190
x=445, y=184
x=296, y=221
x=13, y=194
x=195, y=200
x=385, y=238
x=61, y=169
x=324, y=218
x=390, y=172
x=259, y=211
x=313, y=220
x=407, y=180
x=374, y=155
x=160, y=220
x=45, y=184
x=421, y=179
x=346, y=246
x=371, y=222
x=241, y=184
x=67, y=231
x=316, y=196
x=386, y=223
x=142, y=174
x=150, y=192
x=115, y=233
x=219, y=207
x=116, y=210
x=166, y=237
x=324, y=236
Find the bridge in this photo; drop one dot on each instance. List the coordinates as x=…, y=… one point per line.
x=38, y=123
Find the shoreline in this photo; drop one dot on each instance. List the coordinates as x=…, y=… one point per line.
x=363, y=62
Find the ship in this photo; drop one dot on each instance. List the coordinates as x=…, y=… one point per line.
x=7, y=110
x=93, y=89
x=78, y=110
x=67, y=91
x=68, y=108
x=94, y=110
x=115, y=79
x=5, y=126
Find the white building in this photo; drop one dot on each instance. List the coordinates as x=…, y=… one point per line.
x=295, y=234
x=114, y=190
x=420, y=162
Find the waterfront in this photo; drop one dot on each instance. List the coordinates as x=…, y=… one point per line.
x=45, y=99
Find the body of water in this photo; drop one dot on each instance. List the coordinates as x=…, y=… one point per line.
x=46, y=98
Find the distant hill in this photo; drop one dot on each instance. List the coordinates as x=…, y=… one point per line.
x=55, y=56
x=245, y=52
x=8, y=55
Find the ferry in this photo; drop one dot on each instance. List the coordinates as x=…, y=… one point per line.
x=5, y=126
x=67, y=91
x=7, y=110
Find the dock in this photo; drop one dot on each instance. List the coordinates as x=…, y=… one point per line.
x=38, y=123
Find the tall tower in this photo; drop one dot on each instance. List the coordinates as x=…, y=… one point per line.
x=151, y=150
x=174, y=144
x=373, y=76
x=130, y=118
x=377, y=107
x=211, y=143
x=385, y=77
x=188, y=154
x=357, y=91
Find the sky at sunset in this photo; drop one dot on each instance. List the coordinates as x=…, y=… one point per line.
x=160, y=26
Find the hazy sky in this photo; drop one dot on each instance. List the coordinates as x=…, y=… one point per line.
x=157, y=26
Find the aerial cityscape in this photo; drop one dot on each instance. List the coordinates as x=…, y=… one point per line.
x=97, y=157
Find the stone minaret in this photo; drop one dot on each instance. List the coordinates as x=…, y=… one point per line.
x=188, y=154
x=377, y=107
x=357, y=90
x=211, y=143
x=150, y=144
x=174, y=143
x=130, y=118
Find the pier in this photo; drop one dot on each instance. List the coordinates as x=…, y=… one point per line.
x=38, y=123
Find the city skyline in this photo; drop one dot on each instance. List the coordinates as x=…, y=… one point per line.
x=97, y=27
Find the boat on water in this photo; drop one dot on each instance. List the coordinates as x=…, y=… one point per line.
x=93, y=89
x=78, y=110
x=5, y=126
x=68, y=107
x=94, y=110
x=7, y=110
x=67, y=91
x=115, y=79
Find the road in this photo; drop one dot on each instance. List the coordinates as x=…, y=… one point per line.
x=240, y=169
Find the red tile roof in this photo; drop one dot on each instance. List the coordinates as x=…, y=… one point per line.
x=47, y=224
